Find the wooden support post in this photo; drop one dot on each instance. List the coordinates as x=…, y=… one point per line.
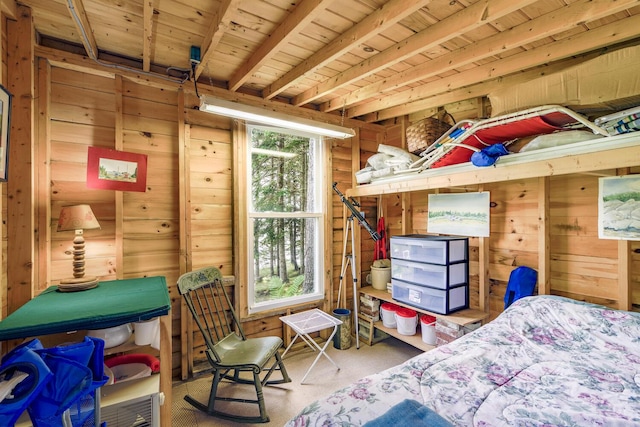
x=624, y=266
x=544, y=236
x=42, y=177
x=119, y=197
x=20, y=186
x=484, y=288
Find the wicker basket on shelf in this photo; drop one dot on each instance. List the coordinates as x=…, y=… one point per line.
x=424, y=133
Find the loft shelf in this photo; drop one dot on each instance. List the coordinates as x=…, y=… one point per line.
x=581, y=157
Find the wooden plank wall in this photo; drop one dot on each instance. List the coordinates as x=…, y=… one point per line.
x=211, y=196
x=344, y=164
x=139, y=234
x=82, y=114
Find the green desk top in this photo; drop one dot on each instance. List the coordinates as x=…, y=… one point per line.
x=110, y=304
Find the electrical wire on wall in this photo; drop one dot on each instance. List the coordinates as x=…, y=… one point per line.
x=195, y=80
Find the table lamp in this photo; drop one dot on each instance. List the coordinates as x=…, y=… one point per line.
x=77, y=218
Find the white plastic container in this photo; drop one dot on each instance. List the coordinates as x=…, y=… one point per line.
x=147, y=332
x=388, y=314
x=407, y=321
x=114, y=336
x=428, y=328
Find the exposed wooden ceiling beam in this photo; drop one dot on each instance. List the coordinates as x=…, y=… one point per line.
x=477, y=90
x=616, y=32
x=378, y=21
x=70, y=61
x=467, y=19
x=546, y=25
x=9, y=8
x=147, y=42
x=79, y=16
x=220, y=24
x=301, y=16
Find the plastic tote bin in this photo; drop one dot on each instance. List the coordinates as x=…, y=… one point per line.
x=342, y=338
x=432, y=275
x=441, y=301
x=430, y=249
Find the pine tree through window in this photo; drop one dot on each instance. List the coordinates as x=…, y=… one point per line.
x=284, y=218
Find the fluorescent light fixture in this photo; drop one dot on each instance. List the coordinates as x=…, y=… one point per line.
x=273, y=153
x=259, y=115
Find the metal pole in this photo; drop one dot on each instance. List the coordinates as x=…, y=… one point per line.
x=345, y=263
x=354, y=275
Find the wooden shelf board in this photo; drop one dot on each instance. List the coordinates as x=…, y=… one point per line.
x=462, y=317
x=580, y=157
x=414, y=340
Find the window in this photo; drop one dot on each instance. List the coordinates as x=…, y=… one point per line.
x=284, y=218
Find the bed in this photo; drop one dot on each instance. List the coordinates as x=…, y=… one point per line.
x=545, y=361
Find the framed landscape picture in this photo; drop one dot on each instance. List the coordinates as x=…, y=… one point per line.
x=462, y=214
x=116, y=170
x=619, y=207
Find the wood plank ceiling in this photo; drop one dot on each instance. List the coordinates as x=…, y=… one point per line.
x=367, y=59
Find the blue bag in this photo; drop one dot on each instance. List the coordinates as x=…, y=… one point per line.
x=22, y=360
x=73, y=383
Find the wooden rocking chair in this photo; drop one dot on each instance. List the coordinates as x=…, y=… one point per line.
x=227, y=347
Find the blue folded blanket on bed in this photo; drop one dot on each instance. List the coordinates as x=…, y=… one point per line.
x=409, y=413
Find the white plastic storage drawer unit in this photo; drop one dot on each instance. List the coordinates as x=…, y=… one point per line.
x=430, y=249
x=432, y=275
x=430, y=299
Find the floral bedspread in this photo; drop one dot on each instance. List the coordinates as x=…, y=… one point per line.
x=546, y=361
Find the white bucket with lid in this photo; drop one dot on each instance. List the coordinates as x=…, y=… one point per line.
x=428, y=327
x=407, y=321
x=388, y=314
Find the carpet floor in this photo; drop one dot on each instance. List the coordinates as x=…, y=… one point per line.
x=285, y=401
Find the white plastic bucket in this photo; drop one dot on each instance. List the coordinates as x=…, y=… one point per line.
x=380, y=276
x=388, y=314
x=407, y=321
x=147, y=332
x=428, y=327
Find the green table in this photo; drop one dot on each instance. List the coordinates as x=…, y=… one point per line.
x=110, y=304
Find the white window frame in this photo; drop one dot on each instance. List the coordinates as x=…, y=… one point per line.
x=317, y=214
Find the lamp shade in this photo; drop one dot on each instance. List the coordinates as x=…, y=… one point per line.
x=77, y=217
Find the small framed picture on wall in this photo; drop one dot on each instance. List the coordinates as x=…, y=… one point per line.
x=116, y=170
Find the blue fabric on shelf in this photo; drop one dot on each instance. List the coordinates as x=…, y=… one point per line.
x=409, y=413
x=489, y=155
